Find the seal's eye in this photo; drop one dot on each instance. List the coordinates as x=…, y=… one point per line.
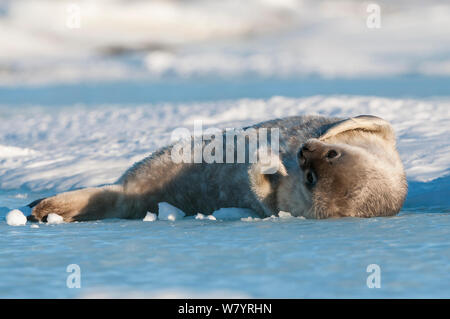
x=311, y=178
x=332, y=154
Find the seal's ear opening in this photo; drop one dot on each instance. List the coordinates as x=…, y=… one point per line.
x=362, y=123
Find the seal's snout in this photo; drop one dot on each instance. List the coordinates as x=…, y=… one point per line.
x=310, y=151
x=303, y=155
x=317, y=151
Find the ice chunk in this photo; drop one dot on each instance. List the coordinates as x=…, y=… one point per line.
x=54, y=219
x=150, y=217
x=16, y=218
x=283, y=215
x=234, y=213
x=34, y=226
x=201, y=216
x=169, y=212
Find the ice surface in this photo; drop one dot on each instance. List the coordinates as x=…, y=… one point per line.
x=284, y=258
x=89, y=145
x=233, y=213
x=169, y=212
x=16, y=218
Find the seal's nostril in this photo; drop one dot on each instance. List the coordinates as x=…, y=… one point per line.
x=309, y=148
x=301, y=157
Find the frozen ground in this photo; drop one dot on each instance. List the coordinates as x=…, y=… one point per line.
x=46, y=149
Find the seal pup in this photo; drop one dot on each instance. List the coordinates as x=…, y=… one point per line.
x=324, y=168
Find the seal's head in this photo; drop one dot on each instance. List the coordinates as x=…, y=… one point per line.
x=352, y=169
x=349, y=180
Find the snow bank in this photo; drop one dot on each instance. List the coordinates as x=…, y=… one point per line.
x=16, y=218
x=169, y=212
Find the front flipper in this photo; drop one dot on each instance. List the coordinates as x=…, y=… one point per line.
x=356, y=125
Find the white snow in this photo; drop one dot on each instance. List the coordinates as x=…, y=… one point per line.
x=12, y=151
x=169, y=212
x=34, y=226
x=150, y=217
x=53, y=218
x=16, y=218
x=233, y=213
